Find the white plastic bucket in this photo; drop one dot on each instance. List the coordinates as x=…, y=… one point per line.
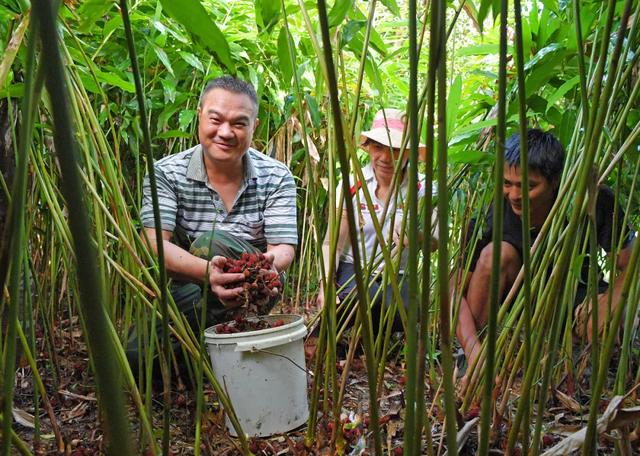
x=264, y=375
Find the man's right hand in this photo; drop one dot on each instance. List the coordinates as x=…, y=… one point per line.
x=229, y=297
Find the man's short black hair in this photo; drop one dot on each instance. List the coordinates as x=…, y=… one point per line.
x=231, y=84
x=545, y=153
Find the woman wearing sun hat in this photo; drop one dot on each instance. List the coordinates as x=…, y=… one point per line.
x=383, y=143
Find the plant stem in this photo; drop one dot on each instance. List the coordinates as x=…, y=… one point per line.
x=92, y=299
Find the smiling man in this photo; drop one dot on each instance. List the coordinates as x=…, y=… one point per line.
x=219, y=199
x=546, y=159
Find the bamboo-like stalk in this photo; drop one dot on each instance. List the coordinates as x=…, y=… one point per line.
x=17, y=244
x=165, y=344
x=362, y=292
x=92, y=297
x=498, y=210
x=526, y=233
x=412, y=420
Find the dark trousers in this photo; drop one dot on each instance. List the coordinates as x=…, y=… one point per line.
x=188, y=297
x=377, y=293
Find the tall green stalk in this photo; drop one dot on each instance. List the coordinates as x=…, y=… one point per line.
x=166, y=345
x=413, y=422
x=92, y=299
x=498, y=211
x=526, y=233
x=443, y=238
x=344, y=162
x=17, y=244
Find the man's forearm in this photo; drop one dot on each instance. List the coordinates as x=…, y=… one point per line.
x=182, y=265
x=282, y=255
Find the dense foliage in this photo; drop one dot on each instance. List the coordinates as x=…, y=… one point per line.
x=277, y=45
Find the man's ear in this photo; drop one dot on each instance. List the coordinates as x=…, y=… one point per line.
x=555, y=183
x=255, y=125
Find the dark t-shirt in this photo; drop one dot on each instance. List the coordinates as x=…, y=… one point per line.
x=512, y=229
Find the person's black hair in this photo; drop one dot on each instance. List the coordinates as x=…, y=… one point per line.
x=231, y=84
x=544, y=152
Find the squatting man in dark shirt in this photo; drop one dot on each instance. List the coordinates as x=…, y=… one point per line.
x=546, y=159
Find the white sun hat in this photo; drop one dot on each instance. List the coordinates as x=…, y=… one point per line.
x=387, y=129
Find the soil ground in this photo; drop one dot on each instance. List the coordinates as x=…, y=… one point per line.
x=72, y=395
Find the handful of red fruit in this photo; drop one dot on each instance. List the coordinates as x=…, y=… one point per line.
x=261, y=282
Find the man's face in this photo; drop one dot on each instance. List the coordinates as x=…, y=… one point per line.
x=226, y=122
x=384, y=158
x=541, y=192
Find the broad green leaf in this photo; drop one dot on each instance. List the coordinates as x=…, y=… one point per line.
x=526, y=39
x=169, y=90
x=476, y=126
x=339, y=11
x=314, y=111
x=544, y=72
x=284, y=56
x=90, y=11
x=185, y=117
x=267, y=13
x=162, y=56
x=112, y=79
x=392, y=6
x=483, y=11
x=562, y=90
x=453, y=103
x=191, y=60
x=542, y=53
x=468, y=156
x=350, y=30
x=192, y=15
x=376, y=40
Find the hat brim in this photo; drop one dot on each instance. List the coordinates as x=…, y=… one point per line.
x=390, y=138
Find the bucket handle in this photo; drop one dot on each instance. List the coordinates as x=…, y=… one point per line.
x=272, y=341
x=303, y=369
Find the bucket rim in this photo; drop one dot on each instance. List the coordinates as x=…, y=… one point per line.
x=296, y=320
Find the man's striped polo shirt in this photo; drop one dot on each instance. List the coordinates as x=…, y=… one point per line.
x=264, y=211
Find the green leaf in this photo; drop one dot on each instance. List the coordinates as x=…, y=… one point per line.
x=562, y=90
x=90, y=11
x=191, y=60
x=314, y=111
x=169, y=90
x=185, y=117
x=453, y=103
x=468, y=156
x=111, y=78
x=194, y=18
x=392, y=6
x=162, y=56
x=267, y=13
x=483, y=11
x=285, y=57
x=350, y=30
x=339, y=11
x=542, y=53
x=375, y=39
x=476, y=126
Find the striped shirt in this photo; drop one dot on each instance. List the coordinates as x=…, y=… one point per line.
x=367, y=238
x=264, y=211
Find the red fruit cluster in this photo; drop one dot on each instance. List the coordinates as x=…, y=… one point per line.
x=260, y=282
x=240, y=324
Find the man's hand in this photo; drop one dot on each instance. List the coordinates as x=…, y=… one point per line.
x=229, y=297
x=270, y=257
